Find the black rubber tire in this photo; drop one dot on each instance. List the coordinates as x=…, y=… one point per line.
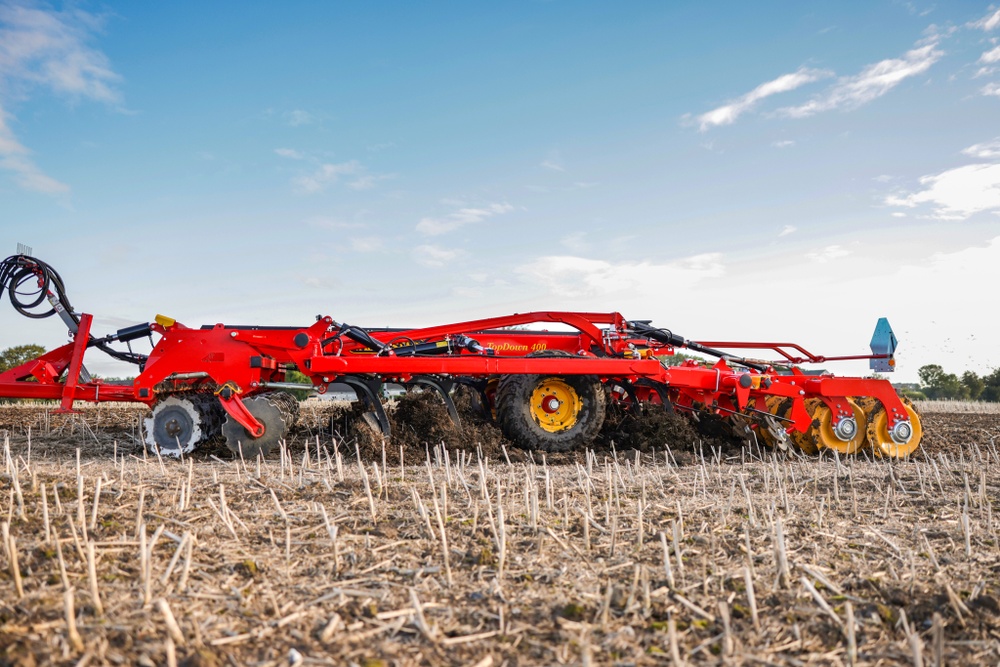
x=517, y=424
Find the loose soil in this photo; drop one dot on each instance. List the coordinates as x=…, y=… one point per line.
x=477, y=553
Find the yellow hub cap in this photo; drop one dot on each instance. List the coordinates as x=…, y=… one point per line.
x=879, y=437
x=846, y=437
x=555, y=405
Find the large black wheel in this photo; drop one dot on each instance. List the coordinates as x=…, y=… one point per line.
x=550, y=413
x=179, y=423
x=277, y=411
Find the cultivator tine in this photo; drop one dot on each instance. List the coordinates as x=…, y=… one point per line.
x=443, y=388
x=368, y=391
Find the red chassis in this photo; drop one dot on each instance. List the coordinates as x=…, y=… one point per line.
x=237, y=362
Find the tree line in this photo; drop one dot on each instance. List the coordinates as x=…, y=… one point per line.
x=935, y=384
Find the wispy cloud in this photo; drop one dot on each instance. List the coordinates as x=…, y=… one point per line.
x=290, y=153
x=298, y=117
x=991, y=56
x=959, y=193
x=325, y=176
x=828, y=254
x=787, y=229
x=729, y=112
x=871, y=83
x=432, y=256
x=460, y=218
x=784, y=143
x=47, y=49
x=991, y=89
x=985, y=151
x=988, y=22
x=573, y=277
x=366, y=244
x=553, y=165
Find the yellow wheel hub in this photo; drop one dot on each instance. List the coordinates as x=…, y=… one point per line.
x=879, y=437
x=555, y=405
x=845, y=435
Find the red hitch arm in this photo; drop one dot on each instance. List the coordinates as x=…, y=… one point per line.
x=231, y=403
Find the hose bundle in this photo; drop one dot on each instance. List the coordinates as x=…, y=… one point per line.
x=29, y=282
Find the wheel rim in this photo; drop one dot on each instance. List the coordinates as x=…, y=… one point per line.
x=555, y=405
x=880, y=439
x=845, y=442
x=174, y=428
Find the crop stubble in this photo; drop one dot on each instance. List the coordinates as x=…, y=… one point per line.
x=611, y=557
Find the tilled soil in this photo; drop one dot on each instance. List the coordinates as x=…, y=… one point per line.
x=624, y=555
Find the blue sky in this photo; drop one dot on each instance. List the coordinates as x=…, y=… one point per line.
x=735, y=171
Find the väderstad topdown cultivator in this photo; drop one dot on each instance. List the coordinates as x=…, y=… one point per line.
x=546, y=389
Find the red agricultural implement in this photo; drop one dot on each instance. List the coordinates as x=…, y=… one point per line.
x=545, y=389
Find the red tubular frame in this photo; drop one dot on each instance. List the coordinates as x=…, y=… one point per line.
x=239, y=362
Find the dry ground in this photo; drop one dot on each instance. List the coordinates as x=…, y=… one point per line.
x=611, y=557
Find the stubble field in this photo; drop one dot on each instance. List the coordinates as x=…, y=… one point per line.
x=485, y=555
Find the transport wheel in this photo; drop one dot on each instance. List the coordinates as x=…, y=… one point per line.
x=550, y=413
x=179, y=423
x=847, y=437
x=897, y=445
x=277, y=411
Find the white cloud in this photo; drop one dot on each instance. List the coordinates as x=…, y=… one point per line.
x=366, y=244
x=871, y=83
x=958, y=193
x=985, y=151
x=42, y=48
x=575, y=277
x=553, y=165
x=728, y=113
x=788, y=229
x=366, y=182
x=988, y=22
x=289, y=153
x=14, y=157
x=784, y=143
x=991, y=56
x=992, y=89
x=898, y=214
x=433, y=256
x=326, y=175
x=460, y=218
x=298, y=117
x=828, y=254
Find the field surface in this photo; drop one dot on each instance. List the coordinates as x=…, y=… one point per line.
x=333, y=551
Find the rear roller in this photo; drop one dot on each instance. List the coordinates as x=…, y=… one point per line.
x=277, y=411
x=902, y=440
x=846, y=435
x=179, y=423
x=551, y=413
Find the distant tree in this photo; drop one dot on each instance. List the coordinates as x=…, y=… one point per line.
x=974, y=384
x=937, y=384
x=991, y=388
x=913, y=394
x=13, y=357
x=299, y=378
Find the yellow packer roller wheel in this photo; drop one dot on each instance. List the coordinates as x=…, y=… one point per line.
x=882, y=442
x=847, y=436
